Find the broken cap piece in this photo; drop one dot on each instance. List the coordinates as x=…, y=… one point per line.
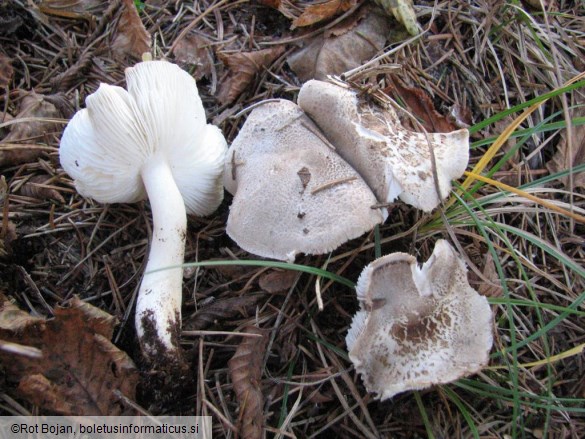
x=418, y=326
x=394, y=161
x=152, y=139
x=292, y=192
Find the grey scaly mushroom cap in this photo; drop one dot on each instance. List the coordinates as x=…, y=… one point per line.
x=394, y=161
x=292, y=192
x=418, y=326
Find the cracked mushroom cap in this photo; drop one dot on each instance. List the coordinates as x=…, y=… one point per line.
x=394, y=161
x=418, y=326
x=292, y=192
x=105, y=146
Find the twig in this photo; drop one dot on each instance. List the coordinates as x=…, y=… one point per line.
x=332, y=183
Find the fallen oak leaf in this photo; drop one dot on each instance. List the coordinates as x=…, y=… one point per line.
x=195, y=50
x=491, y=286
x=283, y=6
x=322, y=11
x=246, y=373
x=271, y=3
x=17, y=153
x=37, y=111
x=566, y=157
x=15, y=321
x=78, y=9
x=38, y=187
x=243, y=67
x=420, y=105
x=345, y=46
x=80, y=370
x=132, y=37
x=221, y=310
x=277, y=281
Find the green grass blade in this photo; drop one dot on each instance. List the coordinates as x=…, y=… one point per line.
x=496, y=117
x=271, y=264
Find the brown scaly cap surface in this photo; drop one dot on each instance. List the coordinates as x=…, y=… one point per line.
x=418, y=326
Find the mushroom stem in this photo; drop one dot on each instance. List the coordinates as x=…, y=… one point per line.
x=158, y=308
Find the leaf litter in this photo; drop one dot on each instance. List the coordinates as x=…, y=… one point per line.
x=243, y=68
x=473, y=61
x=246, y=374
x=31, y=130
x=343, y=47
x=74, y=368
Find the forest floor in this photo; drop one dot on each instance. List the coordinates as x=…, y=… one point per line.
x=510, y=71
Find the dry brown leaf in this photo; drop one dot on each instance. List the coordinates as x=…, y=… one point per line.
x=271, y=3
x=243, y=68
x=232, y=272
x=344, y=47
x=33, y=106
x=195, y=50
x=246, y=373
x=283, y=6
x=36, y=107
x=421, y=106
x=219, y=311
x=76, y=9
x=565, y=158
x=6, y=71
x=491, y=288
x=322, y=11
x=320, y=398
x=132, y=38
x=75, y=74
x=80, y=371
x=39, y=188
x=461, y=115
x=15, y=321
x=277, y=281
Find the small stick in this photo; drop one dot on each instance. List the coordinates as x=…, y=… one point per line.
x=318, y=294
x=254, y=105
x=204, y=333
x=332, y=183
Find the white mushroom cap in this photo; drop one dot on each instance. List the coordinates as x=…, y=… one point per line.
x=391, y=159
x=418, y=326
x=292, y=192
x=152, y=139
x=105, y=146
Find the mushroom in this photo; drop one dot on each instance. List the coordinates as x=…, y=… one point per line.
x=418, y=326
x=292, y=192
x=417, y=167
x=150, y=140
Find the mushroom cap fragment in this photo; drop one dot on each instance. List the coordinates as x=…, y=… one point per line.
x=292, y=192
x=106, y=145
x=418, y=326
x=391, y=159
